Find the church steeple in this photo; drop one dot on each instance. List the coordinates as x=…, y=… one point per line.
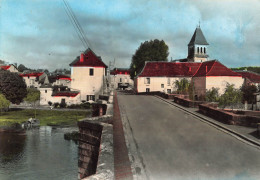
x=197, y=48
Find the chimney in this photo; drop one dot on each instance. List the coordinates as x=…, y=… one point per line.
x=81, y=57
x=189, y=69
x=206, y=69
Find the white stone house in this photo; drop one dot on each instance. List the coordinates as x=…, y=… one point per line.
x=120, y=77
x=48, y=94
x=161, y=76
x=10, y=68
x=214, y=74
x=88, y=75
x=62, y=80
x=34, y=80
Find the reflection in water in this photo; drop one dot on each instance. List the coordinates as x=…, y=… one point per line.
x=11, y=146
x=40, y=154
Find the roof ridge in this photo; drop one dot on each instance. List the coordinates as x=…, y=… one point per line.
x=210, y=68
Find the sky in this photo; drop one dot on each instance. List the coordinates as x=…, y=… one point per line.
x=39, y=34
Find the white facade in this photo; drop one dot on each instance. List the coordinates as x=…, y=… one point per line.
x=162, y=84
x=121, y=78
x=88, y=80
x=46, y=96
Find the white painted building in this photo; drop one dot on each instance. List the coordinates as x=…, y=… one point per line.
x=88, y=75
x=120, y=78
x=33, y=80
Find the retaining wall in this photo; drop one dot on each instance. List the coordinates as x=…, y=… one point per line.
x=96, y=155
x=229, y=117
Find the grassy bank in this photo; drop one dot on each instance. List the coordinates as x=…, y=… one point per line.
x=45, y=116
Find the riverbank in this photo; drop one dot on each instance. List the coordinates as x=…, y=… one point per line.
x=46, y=117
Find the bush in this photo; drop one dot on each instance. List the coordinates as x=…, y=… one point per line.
x=56, y=104
x=50, y=103
x=63, y=105
x=80, y=106
x=212, y=95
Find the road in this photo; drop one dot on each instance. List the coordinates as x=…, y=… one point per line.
x=166, y=143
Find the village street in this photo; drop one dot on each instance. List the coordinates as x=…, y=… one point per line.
x=166, y=143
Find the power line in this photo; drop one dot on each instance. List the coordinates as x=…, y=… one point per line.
x=78, y=24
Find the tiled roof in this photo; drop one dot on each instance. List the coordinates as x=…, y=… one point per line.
x=63, y=77
x=120, y=71
x=65, y=93
x=31, y=74
x=5, y=67
x=214, y=68
x=198, y=38
x=252, y=76
x=88, y=59
x=169, y=69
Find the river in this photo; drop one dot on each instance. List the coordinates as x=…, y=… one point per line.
x=38, y=154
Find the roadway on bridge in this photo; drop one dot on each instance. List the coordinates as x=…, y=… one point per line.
x=174, y=145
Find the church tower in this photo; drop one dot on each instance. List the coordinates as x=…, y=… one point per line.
x=197, y=48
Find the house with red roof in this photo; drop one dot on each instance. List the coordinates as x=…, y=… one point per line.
x=120, y=78
x=34, y=79
x=58, y=94
x=214, y=74
x=88, y=75
x=10, y=68
x=61, y=80
x=250, y=77
x=161, y=76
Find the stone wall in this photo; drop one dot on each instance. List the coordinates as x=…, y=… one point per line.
x=96, y=155
x=187, y=102
x=229, y=117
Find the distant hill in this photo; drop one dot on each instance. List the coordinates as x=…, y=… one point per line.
x=249, y=68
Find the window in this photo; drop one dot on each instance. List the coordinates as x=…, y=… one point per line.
x=198, y=50
x=45, y=91
x=120, y=80
x=162, y=85
x=90, y=97
x=201, y=49
x=168, y=91
x=147, y=81
x=91, y=72
x=168, y=81
x=147, y=89
x=204, y=50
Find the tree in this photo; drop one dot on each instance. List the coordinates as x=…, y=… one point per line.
x=32, y=97
x=4, y=103
x=182, y=86
x=153, y=50
x=22, y=68
x=231, y=96
x=212, y=95
x=12, y=86
x=248, y=93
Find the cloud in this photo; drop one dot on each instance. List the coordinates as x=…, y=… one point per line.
x=43, y=36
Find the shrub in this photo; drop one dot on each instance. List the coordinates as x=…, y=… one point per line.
x=63, y=104
x=56, y=104
x=50, y=103
x=212, y=95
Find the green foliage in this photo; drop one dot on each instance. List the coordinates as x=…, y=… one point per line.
x=33, y=95
x=191, y=92
x=12, y=86
x=255, y=69
x=46, y=117
x=182, y=86
x=22, y=68
x=212, y=95
x=153, y=50
x=231, y=96
x=4, y=103
x=248, y=93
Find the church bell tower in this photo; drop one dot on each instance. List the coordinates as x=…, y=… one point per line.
x=197, y=48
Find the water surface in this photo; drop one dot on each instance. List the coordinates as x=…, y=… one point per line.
x=38, y=154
